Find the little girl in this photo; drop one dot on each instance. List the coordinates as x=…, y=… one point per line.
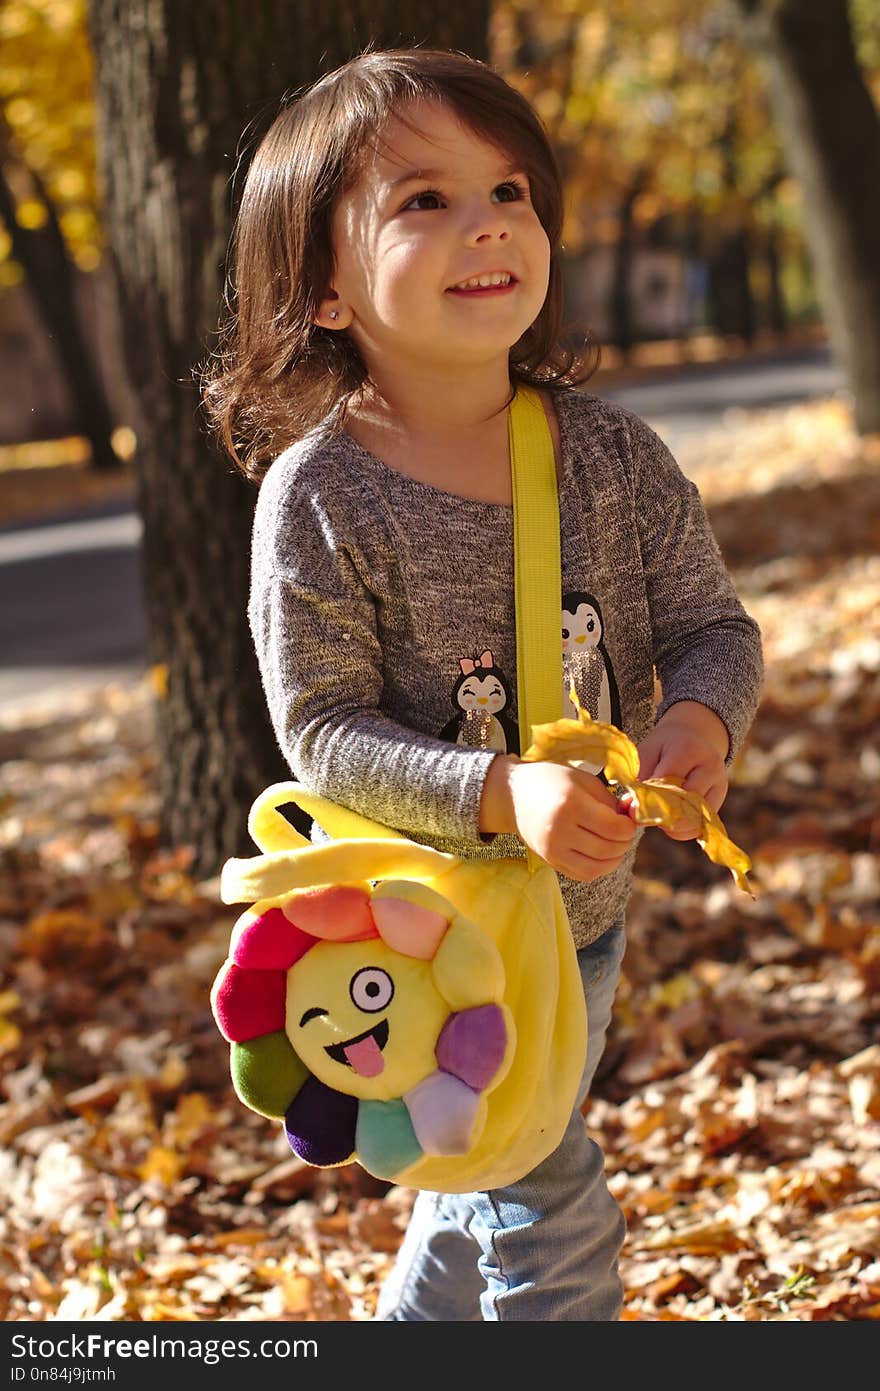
x=396, y=276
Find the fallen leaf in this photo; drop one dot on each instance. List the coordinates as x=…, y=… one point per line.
x=162, y=1164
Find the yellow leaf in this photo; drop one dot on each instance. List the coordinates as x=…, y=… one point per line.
x=662, y=802
x=297, y=1292
x=159, y=680
x=31, y=214
x=722, y=850
x=10, y=1036
x=162, y=1164
x=585, y=740
x=656, y=802
x=192, y=1116
x=173, y=1072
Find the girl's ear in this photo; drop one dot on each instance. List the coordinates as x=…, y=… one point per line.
x=333, y=313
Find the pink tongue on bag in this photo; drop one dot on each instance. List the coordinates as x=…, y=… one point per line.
x=365, y=1057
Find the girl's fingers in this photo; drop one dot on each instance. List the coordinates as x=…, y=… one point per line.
x=604, y=819
x=583, y=868
x=593, y=847
x=699, y=781
x=716, y=794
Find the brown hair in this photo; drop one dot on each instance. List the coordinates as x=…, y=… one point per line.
x=276, y=374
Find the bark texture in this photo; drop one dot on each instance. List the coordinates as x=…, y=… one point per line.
x=183, y=86
x=831, y=130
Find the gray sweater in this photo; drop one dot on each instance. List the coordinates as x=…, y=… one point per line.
x=382, y=612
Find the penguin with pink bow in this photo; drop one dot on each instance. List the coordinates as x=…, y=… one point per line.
x=481, y=697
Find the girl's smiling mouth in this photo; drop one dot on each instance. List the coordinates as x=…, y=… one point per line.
x=490, y=283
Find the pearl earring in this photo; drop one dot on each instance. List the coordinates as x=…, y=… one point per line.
x=334, y=313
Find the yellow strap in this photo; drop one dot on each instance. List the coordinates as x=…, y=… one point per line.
x=537, y=568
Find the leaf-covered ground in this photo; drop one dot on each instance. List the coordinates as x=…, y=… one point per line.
x=738, y=1102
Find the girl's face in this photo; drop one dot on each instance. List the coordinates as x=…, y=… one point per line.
x=436, y=212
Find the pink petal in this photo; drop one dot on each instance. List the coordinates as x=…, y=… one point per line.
x=333, y=912
x=407, y=928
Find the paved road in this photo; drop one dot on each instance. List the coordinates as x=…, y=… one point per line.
x=682, y=406
x=70, y=609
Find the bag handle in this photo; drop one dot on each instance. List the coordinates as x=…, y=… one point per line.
x=275, y=874
x=537, y=569
x=270, y=829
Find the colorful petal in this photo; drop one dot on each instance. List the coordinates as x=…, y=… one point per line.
x=333, y=912
x=472, y=1045
x=268, y=941
x=267, y=1074
x=320, y=1124
x=411, y=918
x=468, y=969
x=248, y=1003
x=386, y=1141
x=447, y=1116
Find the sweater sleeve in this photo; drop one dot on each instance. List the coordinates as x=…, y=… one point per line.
x=313, y=618
x=706, y=647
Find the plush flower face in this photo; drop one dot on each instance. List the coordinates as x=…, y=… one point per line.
x=364, y=1018
x=371, y=1019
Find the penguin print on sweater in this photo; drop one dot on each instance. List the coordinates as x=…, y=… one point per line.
x=481, y=698
x=585, y=662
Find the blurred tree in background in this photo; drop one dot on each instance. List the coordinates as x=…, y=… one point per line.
x=829, y=121
x=48, y=203
x=668, y=132
x=664, y=134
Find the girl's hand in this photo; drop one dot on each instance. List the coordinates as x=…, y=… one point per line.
x=569, y=818
x=689, y=744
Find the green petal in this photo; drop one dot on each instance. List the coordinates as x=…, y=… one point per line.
x=267, y=1073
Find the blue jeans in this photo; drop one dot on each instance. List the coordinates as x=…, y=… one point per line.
x=544, y=1248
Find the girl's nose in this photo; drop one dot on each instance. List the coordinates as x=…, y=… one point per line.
x=487, y=225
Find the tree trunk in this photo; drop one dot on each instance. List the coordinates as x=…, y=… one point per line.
x=42, y=254
x=620, y=299
x=777, y=320
x=733, y=305
x=831, y=131
x=178, y=81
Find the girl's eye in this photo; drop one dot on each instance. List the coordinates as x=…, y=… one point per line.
x=426, y=201
x=510, y=192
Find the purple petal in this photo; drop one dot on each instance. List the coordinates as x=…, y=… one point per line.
x=472, y=1045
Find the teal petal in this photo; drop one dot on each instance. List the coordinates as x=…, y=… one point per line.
x=385, y=1140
